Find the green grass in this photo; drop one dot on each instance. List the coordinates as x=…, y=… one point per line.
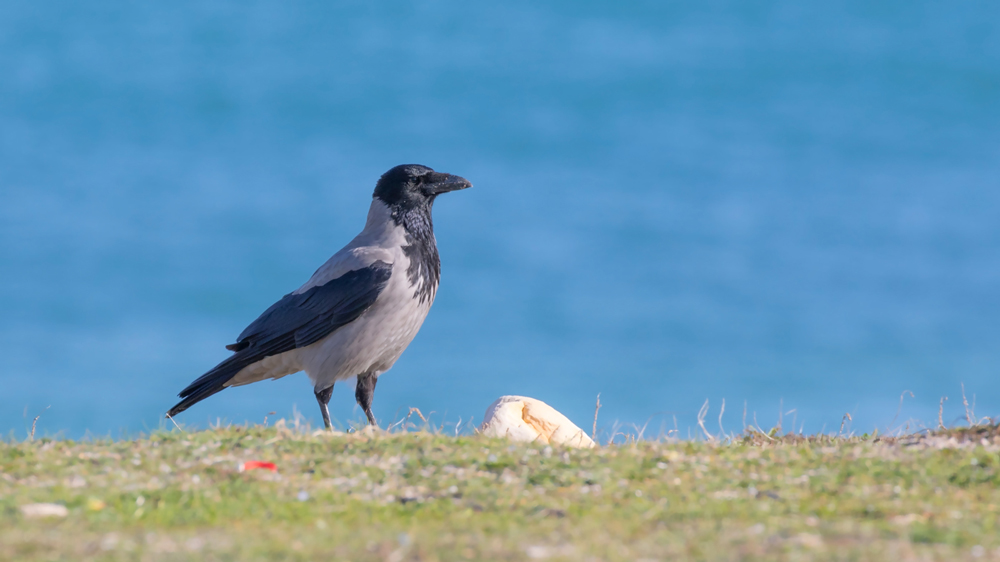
x=420, y=496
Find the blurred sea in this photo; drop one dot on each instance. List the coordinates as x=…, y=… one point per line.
x=784, y=204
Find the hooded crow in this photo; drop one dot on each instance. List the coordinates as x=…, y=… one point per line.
x=358, y=312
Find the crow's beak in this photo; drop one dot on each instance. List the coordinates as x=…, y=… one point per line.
x=443, y=183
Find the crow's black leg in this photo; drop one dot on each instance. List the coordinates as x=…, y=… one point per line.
x=323, y=397
x=364, y=394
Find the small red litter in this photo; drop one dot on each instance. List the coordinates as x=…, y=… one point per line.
x=250, y=465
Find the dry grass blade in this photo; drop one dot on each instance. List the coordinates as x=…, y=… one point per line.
x=847, y=416
x=419, y=413
x=701, y=420
x=795, y=417
x=900, y=409
x=34, y=423
x=781, y=417
x=722, y=431
x=970, y=416
x=171, y=418
x=941, y=412
x=597, y=408
x=759, y=430
x=616, y=434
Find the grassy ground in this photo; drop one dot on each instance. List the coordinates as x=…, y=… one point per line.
x=418, y=496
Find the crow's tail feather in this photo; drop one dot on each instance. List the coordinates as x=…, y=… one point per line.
x=210, y=383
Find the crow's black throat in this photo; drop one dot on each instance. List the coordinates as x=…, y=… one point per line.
x=424, y=271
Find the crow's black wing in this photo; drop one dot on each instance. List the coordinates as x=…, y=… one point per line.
x=297, y=320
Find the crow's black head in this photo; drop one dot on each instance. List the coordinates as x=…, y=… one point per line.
x=414, y=186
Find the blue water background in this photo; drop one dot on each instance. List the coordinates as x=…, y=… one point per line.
x=783, y=204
